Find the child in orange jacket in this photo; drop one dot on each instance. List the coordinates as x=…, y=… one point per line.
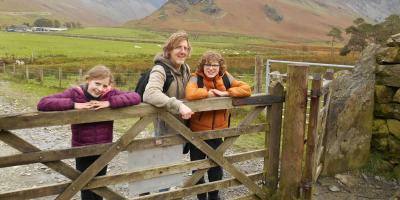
x=212, y=80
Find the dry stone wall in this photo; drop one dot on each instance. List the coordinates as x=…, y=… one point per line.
x=386, y=126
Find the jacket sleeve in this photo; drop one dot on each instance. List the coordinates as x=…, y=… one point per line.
x=238, y=88
x=57, y=102
x=193, y=92
x=153, y=94
x=122, y=99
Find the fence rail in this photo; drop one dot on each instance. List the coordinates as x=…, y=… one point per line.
x=64, y=78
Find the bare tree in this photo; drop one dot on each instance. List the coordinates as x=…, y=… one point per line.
x=336, y=35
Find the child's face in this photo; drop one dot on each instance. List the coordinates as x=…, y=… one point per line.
x=97, y=87
x=211, y=69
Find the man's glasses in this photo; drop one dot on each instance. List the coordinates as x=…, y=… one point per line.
x=210, y=65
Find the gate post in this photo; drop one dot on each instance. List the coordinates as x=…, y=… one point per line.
x=258, y=74
x=312, y=138
x=272, y=140
x=293, y=132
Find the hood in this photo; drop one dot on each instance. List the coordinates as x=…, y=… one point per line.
x=160, y=58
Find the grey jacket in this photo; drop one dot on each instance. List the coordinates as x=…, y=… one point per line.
x=170, y=100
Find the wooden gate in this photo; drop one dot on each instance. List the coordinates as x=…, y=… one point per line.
x=261, y=184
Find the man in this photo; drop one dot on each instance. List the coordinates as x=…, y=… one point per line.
x=175, y=52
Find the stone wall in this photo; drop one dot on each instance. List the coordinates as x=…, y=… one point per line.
x=386, y=127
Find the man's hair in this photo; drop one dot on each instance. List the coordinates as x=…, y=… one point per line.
x=173, y=41
x=99, y=72
x=210, y=56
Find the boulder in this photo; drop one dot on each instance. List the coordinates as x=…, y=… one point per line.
x=383, y=94
x=388, y=55
x=350, y=116
x=394, y=127
x=387, y=110
x=388, y=75
x=396, y=97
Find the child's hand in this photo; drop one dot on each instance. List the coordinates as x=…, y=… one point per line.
x=100, y=104
x=80, y=106
x=211, y=93
x=220, y=93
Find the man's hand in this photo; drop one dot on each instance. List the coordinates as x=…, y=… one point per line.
x=185, y=111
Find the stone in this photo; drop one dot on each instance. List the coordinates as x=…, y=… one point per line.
x=380, y=144
x=394, y=41
x=334, y=188
x=380, y=129
x=396, y=171
x=388, y=75
x=388, y=55
x=347, y=180
x=383, y=94
x=387, y=110
x=396, y=97
x=394, y=127
x=394, y=145
x=350, y=116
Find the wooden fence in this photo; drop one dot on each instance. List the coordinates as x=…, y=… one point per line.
x=283, y=168
x=59, y=77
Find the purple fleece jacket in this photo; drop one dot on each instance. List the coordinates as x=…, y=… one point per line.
x=88, y=133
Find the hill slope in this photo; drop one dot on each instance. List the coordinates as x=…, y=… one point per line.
x=278, y=19
x=88, y=12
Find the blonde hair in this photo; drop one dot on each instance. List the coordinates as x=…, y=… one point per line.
x=99, y=72
x=173, y=41
x=210, y=56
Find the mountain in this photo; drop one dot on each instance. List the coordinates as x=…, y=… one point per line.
x=373, y=10
x=87, y=12
x=277, y=19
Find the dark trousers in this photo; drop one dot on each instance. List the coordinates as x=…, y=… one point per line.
x=81, y=165
x=214, y=173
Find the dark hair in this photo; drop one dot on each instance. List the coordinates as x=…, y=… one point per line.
x=99, y=72
x=173, y=41
x=210, y=56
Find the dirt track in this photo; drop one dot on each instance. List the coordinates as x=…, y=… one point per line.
x=28, y=176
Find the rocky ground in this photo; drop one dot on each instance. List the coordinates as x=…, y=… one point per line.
x=342, y=186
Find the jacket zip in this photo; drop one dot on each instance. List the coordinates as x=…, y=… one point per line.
x=213, y=121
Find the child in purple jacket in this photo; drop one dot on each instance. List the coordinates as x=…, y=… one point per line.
x=96, y=93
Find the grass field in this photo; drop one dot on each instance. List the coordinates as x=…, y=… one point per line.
x=122, y=48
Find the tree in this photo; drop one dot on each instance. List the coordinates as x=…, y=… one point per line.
x=43, y=22
x=57, y=24
x=335, y=34
x=68, y=24
x=362, y=33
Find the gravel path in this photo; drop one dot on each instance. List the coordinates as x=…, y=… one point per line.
x=58, y=137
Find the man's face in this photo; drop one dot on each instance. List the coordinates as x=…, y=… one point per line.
x=179, y=54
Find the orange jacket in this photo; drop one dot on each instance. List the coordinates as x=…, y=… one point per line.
x=216, y=119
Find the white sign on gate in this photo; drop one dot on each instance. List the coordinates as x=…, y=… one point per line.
x=148, y=158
